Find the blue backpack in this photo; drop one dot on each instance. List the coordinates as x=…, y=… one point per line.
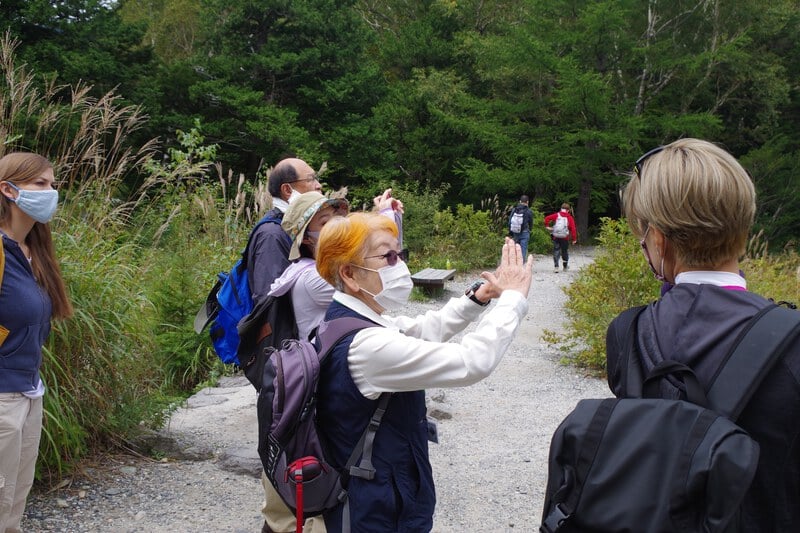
x=228, y=302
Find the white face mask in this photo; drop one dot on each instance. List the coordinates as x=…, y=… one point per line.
x=39, y=205
x=397, y=285
x=293, y=197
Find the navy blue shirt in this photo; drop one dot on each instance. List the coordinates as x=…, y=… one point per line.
x=25, y=311
x=401, y=496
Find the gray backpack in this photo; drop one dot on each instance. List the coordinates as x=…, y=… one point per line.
x=516, y=221
x=561, y=227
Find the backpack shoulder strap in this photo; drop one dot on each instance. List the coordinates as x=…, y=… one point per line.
x=329, y=334
x=629, y=359
x=2, y=262
x=269, y=217
x=761, y=343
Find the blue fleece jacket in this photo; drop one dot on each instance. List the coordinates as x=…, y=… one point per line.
x=25, y=311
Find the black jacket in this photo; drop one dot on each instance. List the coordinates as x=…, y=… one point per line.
x=697, y=325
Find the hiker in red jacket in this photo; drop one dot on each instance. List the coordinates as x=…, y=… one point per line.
x=563, y=231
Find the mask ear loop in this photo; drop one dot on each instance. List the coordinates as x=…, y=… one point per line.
x=12, y=199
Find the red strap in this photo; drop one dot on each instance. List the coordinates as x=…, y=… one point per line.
x=305, y=466
x=298, y=478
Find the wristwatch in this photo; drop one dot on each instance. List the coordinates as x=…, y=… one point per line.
x=471, y=293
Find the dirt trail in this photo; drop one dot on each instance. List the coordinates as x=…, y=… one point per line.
x=489, y=468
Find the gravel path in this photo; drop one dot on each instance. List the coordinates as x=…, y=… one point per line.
x=490, y=466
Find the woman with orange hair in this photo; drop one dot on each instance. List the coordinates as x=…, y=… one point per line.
x=359, y=256
x=31, y=293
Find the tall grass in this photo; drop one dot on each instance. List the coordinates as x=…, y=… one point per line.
x=136, y=259
x=97, y=365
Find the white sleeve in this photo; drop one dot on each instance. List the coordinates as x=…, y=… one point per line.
x=390, y=360
x=439, y=324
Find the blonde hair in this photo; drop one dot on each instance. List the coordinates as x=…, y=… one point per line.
x=344, y=240
x=22, y=167
x=699, y=196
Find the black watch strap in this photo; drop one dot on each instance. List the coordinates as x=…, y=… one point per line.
x=471, y=293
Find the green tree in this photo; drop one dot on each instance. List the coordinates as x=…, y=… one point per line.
x=172, y=26
x=79, y=40
x=274, y=77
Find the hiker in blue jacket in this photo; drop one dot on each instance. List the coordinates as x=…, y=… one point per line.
x=32, y=292
x=359, y=256
x=268, y=254
x=692, y=205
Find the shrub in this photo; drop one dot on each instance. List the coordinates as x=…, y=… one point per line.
x=775, y=276
x=464, y=239
x=618, y=279
x=99, y=366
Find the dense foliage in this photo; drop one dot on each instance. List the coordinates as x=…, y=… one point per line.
x=551, y=98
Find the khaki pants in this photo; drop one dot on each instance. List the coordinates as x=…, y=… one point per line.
x=20, y=430
x=280, y=518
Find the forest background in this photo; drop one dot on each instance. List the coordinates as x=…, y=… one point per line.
x=164, y=116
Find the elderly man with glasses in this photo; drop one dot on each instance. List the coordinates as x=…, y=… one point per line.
x=268, y=253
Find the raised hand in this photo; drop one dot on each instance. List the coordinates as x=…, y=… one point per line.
x=512, y=274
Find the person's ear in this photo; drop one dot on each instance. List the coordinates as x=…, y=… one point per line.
x=347, y=276
x=659, y=241
x=7, y=190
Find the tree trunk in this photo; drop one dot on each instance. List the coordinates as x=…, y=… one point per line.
x=582, y=210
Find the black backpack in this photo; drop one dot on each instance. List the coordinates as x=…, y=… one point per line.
x=650, y=465
x=269, y=325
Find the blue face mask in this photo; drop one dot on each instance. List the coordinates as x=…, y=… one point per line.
x=39, y=205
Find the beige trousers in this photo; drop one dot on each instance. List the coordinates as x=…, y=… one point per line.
x=280, y=518
x=20, y=431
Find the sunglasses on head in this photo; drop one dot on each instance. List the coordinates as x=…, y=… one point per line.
x=392, y=256
x=637, y=166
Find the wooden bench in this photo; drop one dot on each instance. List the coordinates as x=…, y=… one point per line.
x=432, y=279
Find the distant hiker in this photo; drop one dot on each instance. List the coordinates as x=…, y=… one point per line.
x=520, y=223
x=359, y=256
x=562, y=232
x=32, y=292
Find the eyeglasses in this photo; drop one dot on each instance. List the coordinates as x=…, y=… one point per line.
x=309, y=179
x=392, y=256
x=637, y=167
